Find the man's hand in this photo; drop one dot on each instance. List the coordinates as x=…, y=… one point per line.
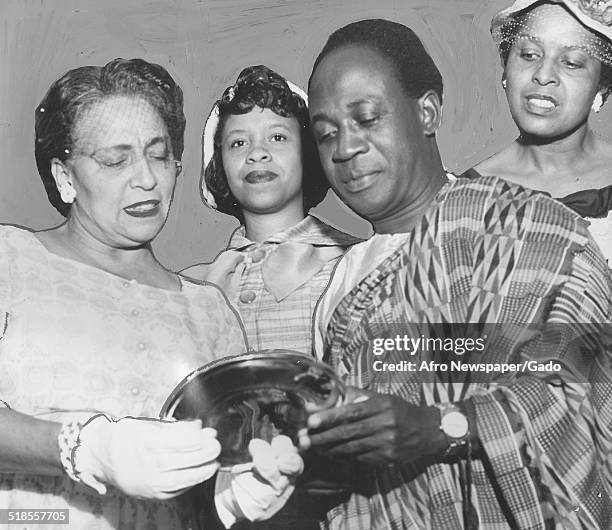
x=378, y=429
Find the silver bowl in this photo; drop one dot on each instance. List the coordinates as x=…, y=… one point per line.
x=254, y=395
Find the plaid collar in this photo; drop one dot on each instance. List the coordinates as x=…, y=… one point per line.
x=309, y=230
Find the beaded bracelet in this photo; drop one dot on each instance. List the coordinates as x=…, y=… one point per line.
x=67, y=440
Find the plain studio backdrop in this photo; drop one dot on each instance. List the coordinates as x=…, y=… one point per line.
x=204, y=44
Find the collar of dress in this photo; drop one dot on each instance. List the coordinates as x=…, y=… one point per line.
x=297, y=255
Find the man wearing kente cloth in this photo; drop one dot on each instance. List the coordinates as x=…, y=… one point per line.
x=511, y=432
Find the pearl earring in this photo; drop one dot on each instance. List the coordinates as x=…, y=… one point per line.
x=67, y=193
x=597, y=102
x=504, y=84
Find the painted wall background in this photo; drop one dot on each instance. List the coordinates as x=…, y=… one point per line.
x=204, y=44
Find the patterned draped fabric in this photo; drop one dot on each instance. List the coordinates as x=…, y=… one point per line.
x=595, y=205
x=492, y=260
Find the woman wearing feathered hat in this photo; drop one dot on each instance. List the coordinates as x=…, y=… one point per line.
x=557, y=59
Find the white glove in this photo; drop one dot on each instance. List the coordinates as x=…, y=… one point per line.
x=145, y=458
x=259, y=489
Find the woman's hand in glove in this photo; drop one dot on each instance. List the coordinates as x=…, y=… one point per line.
x=145, y=458
x=258, y=490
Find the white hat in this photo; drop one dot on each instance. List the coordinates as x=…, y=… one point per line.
x=208, y=141
x=594, y=14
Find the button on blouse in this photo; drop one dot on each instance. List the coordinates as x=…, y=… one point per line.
x=275, y=284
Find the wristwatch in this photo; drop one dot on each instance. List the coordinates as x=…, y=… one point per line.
x=454, y=425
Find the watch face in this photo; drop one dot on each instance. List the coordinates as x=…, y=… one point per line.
x=455, y=424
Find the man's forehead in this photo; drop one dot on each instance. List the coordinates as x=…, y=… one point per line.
x=357, y=57
x=349, y=61
x=350, y=79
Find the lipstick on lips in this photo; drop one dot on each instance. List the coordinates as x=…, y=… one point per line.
x=259, y=176
x=541, y=103
x=143, y=209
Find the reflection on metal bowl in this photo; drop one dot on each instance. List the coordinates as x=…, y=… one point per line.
x=254, y=395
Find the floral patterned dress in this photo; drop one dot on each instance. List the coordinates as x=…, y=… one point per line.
x=76, y=340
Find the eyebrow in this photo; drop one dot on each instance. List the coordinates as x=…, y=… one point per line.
x=128, y=147
x=321, y=116
x=157, y=140
x=271, y=126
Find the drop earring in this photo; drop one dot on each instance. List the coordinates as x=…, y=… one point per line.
x=504, y=84
x=597, y=102
x=67, y=193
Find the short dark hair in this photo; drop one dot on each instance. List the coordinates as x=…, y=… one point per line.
x=77, y=90
x=259, y=86
x=414, y=67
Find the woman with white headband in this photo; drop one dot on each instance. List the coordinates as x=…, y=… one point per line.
x=260, y=164
x=557, y=59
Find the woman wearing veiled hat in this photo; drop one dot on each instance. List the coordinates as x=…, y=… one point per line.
x=557, y=59
x=95, y=332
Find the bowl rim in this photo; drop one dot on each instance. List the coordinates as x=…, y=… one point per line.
x=246, y=356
